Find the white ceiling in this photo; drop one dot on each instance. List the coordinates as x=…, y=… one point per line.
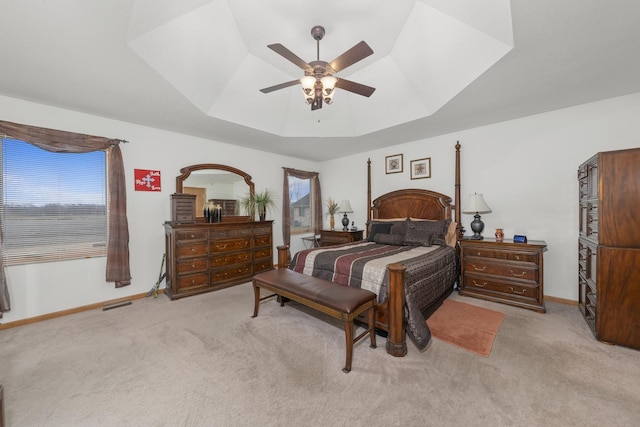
x=196, y=66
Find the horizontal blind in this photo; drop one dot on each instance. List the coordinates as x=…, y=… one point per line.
x=54, y=205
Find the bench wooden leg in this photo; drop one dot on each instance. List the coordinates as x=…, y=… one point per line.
x=372, y=326
x=256, y=294
x=348, y=332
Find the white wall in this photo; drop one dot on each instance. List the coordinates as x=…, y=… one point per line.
x=526, y=169
x=38, y=289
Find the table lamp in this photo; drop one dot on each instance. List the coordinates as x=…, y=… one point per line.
x=345, y=208
x=476, y=205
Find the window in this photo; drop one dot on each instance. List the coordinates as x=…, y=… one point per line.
x=300, y=205
x=54, y=205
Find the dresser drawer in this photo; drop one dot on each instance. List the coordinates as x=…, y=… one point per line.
x=191, y=250
x=504, y=289
x=232, y=273
x=192, y=281
x=263, y=240
x=191, y=265
x=262, y=266
x=230, y=245
x=224, y=260
x=191, y=235
x=234, y=232
x=506, y=269
x=262, y=253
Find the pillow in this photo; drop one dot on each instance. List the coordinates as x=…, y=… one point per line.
x=451, y=238
x=399, y=228
x=451, y=234
x=389, y=239
x=437, y=228
x=416, y=237
x=377, y=227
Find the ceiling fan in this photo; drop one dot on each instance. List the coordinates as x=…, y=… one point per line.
x=319, y=82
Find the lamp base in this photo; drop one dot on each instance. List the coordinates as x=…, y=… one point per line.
x=345, y=223
x=477, y=226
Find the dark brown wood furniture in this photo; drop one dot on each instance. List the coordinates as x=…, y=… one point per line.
x=341, y=302
x=205, y=257
x=338, y=237
x=506, y=272
x=183, y=208
x=609, y=246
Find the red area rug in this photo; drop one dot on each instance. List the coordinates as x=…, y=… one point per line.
x=466, y=326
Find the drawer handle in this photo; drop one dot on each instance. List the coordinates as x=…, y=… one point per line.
x=518, y=257
x=518, y=274
x=479, y=254
x=193, y=249
x=221, y=246
x=515, y=291
x=484, y=267
x=193, y=236
x=193, y=266
x=478, y=284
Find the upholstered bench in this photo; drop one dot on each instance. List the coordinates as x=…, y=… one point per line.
x=339, y=301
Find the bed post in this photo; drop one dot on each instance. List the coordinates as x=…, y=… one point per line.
x=396, y=338
x=458, y=207
x=369, y=208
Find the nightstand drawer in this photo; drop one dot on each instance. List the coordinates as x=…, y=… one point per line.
x=506, y=255
x=506, y=269
x=505, y=289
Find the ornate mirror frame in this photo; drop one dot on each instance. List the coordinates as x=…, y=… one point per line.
x=188, y=170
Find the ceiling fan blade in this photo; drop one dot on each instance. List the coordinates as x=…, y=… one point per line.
x=287, y=54
x=350, y=57
x=354, y=87
x=280, y=86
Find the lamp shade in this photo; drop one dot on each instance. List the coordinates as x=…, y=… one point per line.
x=476, y=204
x=345, y=207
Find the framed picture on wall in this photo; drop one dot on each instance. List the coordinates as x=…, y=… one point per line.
x=394, y=163
x=421, y=168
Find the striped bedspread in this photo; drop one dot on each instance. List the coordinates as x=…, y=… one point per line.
x=431, y=272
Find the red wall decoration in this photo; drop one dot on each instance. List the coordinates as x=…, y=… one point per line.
x=146, y=180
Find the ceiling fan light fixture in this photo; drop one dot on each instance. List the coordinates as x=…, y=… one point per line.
x=308, y=84
x=328, y=85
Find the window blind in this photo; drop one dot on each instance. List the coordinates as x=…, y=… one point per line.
x=54, y=205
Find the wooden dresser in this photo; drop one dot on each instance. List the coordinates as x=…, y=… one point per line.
x=205, y=257
x=609, y=246
x=338, y=237
x=506, y=272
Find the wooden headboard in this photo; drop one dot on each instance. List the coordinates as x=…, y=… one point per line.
x=416, y=203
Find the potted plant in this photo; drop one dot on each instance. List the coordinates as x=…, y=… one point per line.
x=261, y=202
x=332, y=209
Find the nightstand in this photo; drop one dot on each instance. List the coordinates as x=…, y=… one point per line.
x=505, y=272
x=338, y=237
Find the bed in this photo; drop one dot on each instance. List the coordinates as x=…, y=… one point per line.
x=410, y=259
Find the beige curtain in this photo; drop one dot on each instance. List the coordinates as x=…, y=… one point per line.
x=316, y=202
x=118, y=270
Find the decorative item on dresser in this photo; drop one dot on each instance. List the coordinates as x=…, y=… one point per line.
x=337, y=237
x=506, y=272
x=609, y=246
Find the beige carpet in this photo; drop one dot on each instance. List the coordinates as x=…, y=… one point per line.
x=466, y=326
x=203, y=361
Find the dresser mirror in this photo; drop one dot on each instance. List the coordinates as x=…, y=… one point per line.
x=223, y=185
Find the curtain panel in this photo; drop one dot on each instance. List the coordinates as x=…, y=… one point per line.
x=316, y=202
x=58, y=141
